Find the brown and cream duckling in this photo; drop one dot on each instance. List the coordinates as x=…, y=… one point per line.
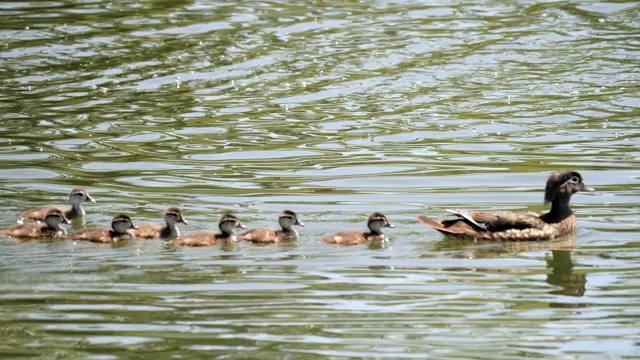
x=514, y=226
x=375, y=223
x=228, y=224
x=172, y=216
x=77, y=197
x=48, y=229
x=287, y=220
x=119, y=231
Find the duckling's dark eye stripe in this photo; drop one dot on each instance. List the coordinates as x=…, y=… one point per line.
x=121, y=221
x=175, y=215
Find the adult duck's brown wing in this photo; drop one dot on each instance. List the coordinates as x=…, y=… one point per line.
x=460, y=228
x=487, y=226
x=500, y=220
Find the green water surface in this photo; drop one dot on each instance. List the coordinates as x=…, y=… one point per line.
x=334, y=109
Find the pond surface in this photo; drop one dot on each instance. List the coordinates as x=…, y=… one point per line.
x=334, y=109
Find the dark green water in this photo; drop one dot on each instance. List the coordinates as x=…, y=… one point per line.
x=334, y=109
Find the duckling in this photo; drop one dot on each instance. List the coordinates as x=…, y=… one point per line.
x=172, y=216
x=49, y=229
x=287, y=219
x=120, y=226
x=227, y=224
x=76, y=198
x=375, y=223
x=514, y=226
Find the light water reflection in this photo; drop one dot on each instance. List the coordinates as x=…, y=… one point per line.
x=334, y=109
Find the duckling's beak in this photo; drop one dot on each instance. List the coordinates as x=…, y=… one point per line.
x=184, y=221
x=90, y=199
x=66, y=221
x=584, y=187
x=390, y=225
x=240, y=226
x=299, y=223
x=133, y=226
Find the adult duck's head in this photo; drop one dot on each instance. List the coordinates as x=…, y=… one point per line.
x=561, y=185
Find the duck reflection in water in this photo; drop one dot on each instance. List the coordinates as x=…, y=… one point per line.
x=493, y=249
x=562, y=276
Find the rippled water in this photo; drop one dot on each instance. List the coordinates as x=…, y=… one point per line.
x=334, y=109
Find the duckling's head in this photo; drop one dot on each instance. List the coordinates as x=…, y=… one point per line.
x=173, y=215
x=229, y=223
x=79, y=196
x=122, y=224
x=377, y=221
x=288, y=218
x=54, y=218
x=563, y=185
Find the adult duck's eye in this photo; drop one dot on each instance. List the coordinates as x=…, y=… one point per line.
x=575, y=180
